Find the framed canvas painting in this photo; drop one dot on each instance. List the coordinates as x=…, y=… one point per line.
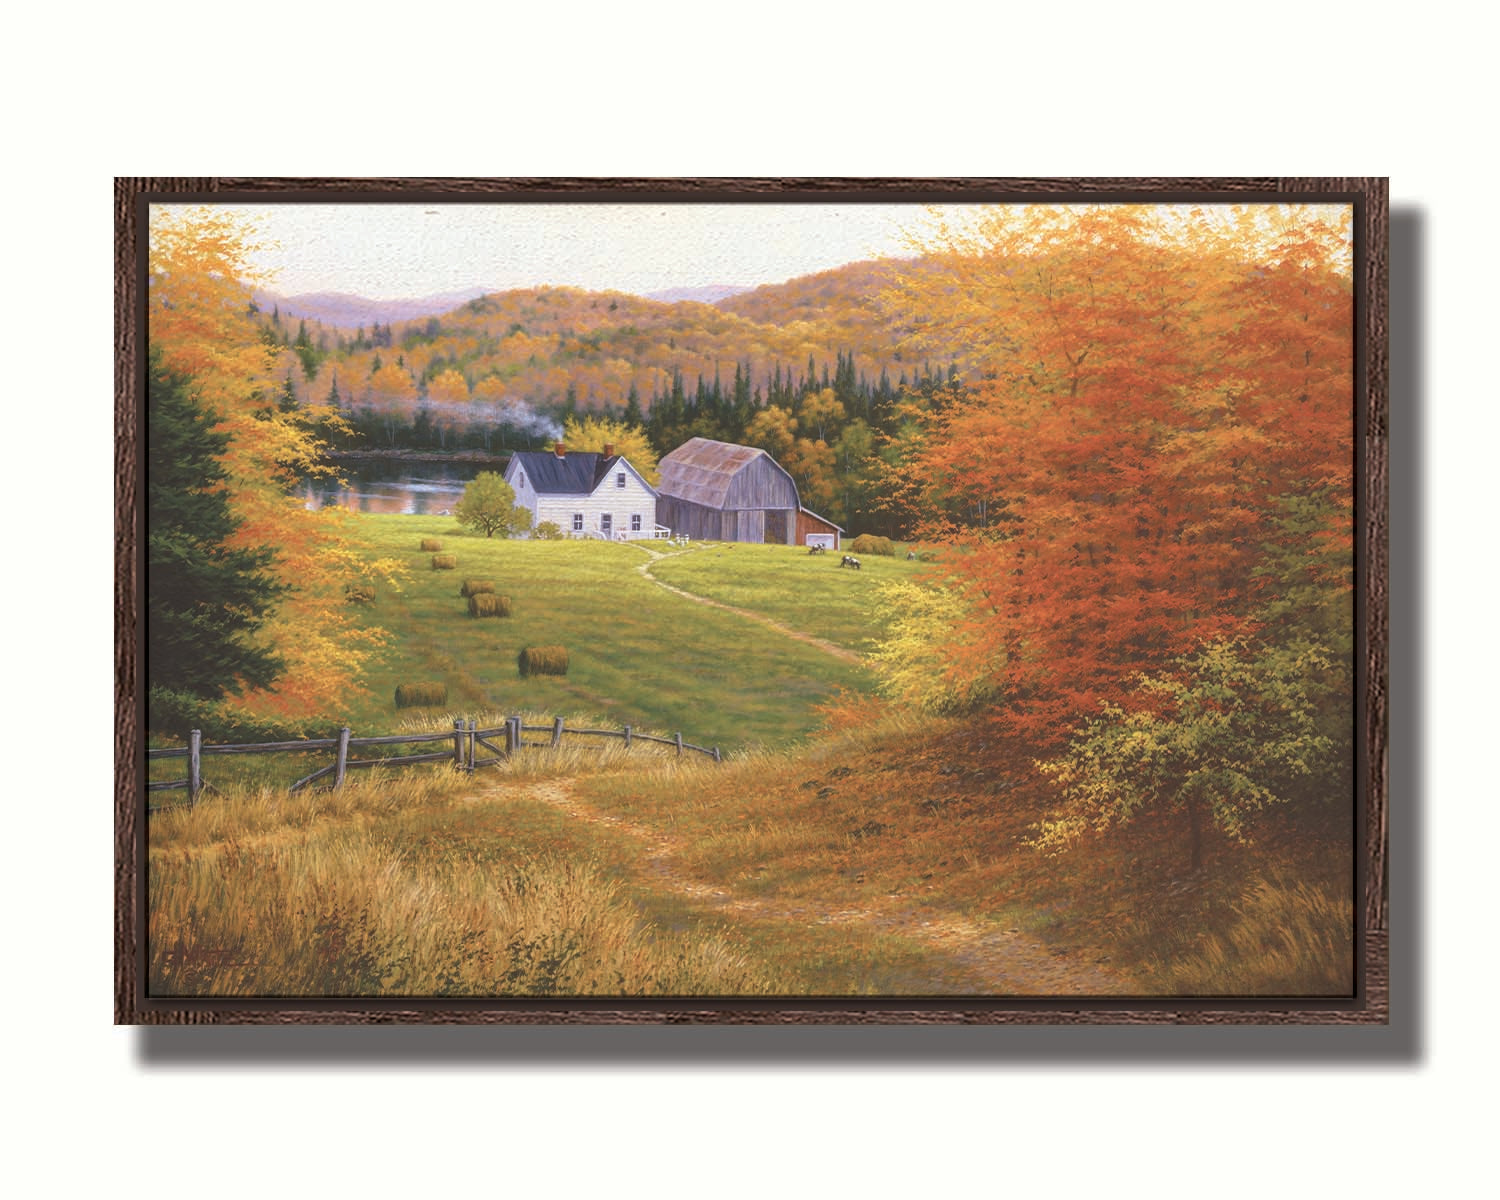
x=761, y=601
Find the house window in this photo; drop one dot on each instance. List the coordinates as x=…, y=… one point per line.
x=577, y=522
x=620, y=479
x=520, y=478
x=635, y=522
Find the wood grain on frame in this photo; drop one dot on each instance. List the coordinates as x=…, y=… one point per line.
x=1370, y=1005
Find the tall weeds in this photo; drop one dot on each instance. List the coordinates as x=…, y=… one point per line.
x=327, y=901
x=1285, y=938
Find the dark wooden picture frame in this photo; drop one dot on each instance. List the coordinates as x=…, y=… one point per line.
x=1368, y=1006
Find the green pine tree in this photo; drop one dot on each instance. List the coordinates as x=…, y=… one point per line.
x=206, y=600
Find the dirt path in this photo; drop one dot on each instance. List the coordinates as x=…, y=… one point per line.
x=750, y=615
x=983, y=962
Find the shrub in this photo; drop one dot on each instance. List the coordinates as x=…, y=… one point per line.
x=431, y=544
x=869, y=543
x=421, y=695
x=487, y=604
x=548, y=531
x=444, y=562
x=472, y=587
x=359, y=593
x=543, y=660
x=172, y=714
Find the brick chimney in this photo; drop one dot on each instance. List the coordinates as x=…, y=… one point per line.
x=609, y=449
x=560, y=450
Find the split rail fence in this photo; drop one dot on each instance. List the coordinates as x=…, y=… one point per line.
x=465, y=748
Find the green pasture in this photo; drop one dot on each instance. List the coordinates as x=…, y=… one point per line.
x=638, y=655
x=808, y=592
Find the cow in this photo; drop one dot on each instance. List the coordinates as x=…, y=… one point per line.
x=816, y=549
x=850, y=561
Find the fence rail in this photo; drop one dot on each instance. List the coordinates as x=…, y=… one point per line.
x=464, y=745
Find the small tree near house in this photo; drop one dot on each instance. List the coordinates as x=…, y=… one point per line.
x=489, y=505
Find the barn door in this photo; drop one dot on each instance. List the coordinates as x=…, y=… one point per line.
x=776, y=527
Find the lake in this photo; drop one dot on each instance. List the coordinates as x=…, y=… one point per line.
x=393, y=486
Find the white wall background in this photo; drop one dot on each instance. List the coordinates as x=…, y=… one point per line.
x=775, y=89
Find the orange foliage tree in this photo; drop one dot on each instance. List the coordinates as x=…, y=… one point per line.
x=199, y=314
x=1153, y=384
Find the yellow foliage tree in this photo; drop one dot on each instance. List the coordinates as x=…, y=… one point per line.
x=594, y=433
x=199, y=313
x=773, y=430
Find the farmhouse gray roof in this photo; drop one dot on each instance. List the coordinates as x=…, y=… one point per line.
x=574, y=474
x=701, y=470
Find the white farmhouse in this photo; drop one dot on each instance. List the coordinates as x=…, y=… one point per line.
x=584, y=494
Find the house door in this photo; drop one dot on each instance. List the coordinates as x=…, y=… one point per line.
x=607, y=525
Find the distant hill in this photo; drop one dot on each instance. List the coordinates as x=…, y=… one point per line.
x=708, y=294
x=547, y=348
x=344, y=311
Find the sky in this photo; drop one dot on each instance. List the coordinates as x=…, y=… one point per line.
x=397, y=251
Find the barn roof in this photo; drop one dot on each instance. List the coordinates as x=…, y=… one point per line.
x=823, y=519
x=575, y=474
x=701, y=470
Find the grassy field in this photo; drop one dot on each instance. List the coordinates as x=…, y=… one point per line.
x=810, y=592
x=638, y=655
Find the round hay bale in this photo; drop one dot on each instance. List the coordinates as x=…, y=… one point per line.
x=543, y=660
x=444, y=562
x=421, y=695
x=473, y=587
x=487, y=604
x=871, y=543
x=430, y=544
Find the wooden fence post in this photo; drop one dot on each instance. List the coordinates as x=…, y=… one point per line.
x=512, y=736
x=195, y=765
x=458, y=744
x=679, y=743
x=717, y=758
x=627, y=737
x=343, y=760
x=557, y=732
x=473, y=742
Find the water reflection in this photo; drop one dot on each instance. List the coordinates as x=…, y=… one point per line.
x=393, y=487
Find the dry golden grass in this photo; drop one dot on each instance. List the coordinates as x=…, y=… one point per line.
x=933, y=819
x=387, y=889
x=593, y=869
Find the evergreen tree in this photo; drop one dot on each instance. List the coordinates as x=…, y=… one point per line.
x=207, y=600
x=633, y=415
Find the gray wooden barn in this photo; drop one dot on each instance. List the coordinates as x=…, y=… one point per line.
x=718, y=491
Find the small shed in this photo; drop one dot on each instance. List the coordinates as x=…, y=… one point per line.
x=719, y=491
x=813, y=530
